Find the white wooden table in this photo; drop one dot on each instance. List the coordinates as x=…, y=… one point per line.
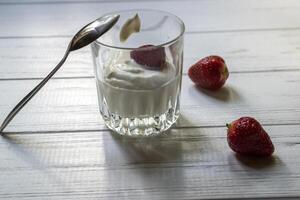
x=59, y=148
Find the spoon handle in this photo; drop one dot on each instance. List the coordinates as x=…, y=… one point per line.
x=33, y=92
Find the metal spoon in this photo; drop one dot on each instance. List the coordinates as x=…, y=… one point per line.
x=85, y=36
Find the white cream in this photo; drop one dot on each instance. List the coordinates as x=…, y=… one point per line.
x=133, y=90
x=130, y=75
x=132, y=25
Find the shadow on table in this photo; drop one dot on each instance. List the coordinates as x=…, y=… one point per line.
x=172, y=145
x=162, y=161
x=256, y=163
x=150, y=149
x=225, y=94
x=20, y=147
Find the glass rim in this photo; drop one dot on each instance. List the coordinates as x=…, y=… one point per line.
x=180, y=22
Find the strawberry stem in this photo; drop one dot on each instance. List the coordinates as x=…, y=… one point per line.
x=228, y=125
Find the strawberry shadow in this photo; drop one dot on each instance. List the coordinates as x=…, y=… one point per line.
x=257, y=162
x=225, y=94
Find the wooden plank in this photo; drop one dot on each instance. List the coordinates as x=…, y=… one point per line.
x=61, y=1
x=215, y=15
x=71, y=104
x=185, y=164
x=243, y=52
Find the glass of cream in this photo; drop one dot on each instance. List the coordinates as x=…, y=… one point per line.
x=138, y=71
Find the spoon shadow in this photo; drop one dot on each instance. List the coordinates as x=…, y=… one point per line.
x=18, y=147
x=23, y=150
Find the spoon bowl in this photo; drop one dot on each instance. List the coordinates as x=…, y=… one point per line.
x=93, y=31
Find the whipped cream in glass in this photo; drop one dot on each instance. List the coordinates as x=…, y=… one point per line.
x=131, y=89
x=136, y=97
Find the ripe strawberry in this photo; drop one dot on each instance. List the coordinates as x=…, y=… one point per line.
x=246, y=136
x=150, y=56
x=210, y=72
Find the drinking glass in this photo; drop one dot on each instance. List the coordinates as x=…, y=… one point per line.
x=139, y=80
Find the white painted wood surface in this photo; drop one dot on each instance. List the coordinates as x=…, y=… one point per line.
x=71, y=104
x=185, y=164
x=199, y=15
x=244, y=52
x=58, y=147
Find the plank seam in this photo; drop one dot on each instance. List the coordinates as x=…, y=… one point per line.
x=106, y=129
x=79, y=2
x=187, y=32
x=184, y=74
x=256, y=198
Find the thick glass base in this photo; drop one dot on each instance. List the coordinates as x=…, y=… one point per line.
x=145, y=126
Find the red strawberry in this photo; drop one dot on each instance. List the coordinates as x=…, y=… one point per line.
x=150, y=56
x=246, y=136
x=210, y=72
